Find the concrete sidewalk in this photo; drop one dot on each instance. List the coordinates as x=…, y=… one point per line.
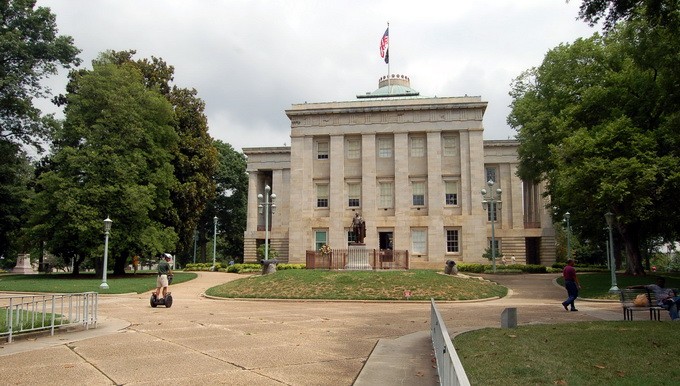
x=264, y=342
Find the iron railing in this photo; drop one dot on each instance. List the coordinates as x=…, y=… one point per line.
x=342, y=259
x=449, y=368
x=27, y=313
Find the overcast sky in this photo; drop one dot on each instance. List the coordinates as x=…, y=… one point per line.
x=250, y=60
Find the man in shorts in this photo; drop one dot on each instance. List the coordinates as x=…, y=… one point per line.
x=163, y=272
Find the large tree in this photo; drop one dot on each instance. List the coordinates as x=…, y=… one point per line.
x=656, y=12
x=599, y=122
x=30, y=50
x=195, y=157
x=231, y=198
x=112, y=158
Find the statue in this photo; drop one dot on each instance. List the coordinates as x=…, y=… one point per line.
x=359, y=228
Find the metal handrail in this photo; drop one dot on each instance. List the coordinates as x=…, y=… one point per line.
x=449, y=367
x=28, y=313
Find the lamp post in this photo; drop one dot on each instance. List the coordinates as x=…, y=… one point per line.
x=214, y=241
x=609, y=216
x=107, y=228
x=195, y=240
x=492, y=202
x=266, y=205
x=567, y=216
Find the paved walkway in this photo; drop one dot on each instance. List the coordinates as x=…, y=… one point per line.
x=262, y=342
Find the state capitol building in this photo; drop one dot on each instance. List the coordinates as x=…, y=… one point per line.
x=412, y=166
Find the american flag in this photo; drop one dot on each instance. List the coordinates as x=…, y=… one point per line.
x=385, y=46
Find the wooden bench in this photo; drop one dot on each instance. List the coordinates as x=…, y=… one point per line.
x=629, y=295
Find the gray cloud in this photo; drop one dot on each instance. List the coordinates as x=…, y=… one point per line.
x=250, y=60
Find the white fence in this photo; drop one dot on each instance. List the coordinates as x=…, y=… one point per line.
x=27, y=313
x=449, y=368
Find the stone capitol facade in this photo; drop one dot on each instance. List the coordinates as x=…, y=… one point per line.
x=412, y=166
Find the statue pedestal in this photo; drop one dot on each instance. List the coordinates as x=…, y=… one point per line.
x=357, y=258
x=23, y=265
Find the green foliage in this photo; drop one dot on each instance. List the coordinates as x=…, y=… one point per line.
x=595, y=122
x=380, y=285
x=111, y=159
x=489, y=255
x=284, y=266
x=273, y=253
x=30, y=51
x=472, y=267
x=68, y=283
x=666, y=262
x=584, y=353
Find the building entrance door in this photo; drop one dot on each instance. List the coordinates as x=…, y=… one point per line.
x=385, y=240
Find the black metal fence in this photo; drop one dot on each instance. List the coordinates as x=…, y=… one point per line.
x=342, y=259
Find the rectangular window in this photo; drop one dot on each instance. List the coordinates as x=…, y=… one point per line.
x=353, y=195
x=449, y=146
x=386, y=195
x=417, y=147
x=322, y=195
x=419, y=241
x=322, y=150
x=451, y=192
x=492, y=212
x=452, y=244
x=384, y=147
x=418, y=191
x=497, y=244
x=491, y=175
x=353, y=148
x=320, y=238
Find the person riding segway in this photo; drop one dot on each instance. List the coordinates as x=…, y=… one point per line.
x=162, y=281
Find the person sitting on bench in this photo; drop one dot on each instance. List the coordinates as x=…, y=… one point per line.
x=666, y=297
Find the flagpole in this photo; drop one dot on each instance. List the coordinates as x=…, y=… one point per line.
x=389, y=85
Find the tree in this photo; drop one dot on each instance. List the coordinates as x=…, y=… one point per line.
x=30, y=50
x=15, y=176
x=231, y=198
x=194, y=159
x=598, y=121
x=112, y=158
x=656, y=12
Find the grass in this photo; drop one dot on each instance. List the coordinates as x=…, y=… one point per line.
x=358, y=285
x=588, y=353
x=23, y=319
x=596, y=285
x=66, y=283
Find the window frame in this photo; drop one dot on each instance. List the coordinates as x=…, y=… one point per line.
x=321, y=196
x=417, y=242
x=384, y=196
x=385, y=147
x=415, y=150
x=323, y=152
x=452, y=239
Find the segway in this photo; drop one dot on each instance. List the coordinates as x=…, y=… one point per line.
x=166, y=301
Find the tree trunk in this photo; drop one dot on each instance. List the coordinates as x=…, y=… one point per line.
x=631, y=241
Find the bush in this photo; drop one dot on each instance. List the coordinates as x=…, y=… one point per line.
x=472, y=267
x=285, y=266
x=503, y=271
x=244, y=268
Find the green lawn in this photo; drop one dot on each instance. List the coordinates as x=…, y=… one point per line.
x=66, y=283
x=364, y=285
x=587, y=353
x=26, y=319
x=596, y=285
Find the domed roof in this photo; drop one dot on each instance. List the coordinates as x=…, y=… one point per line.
x=391, y=86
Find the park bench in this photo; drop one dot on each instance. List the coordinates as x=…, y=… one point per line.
x=627, y=302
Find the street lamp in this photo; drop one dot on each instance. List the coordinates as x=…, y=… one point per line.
x=567, y=216
x=609, y=216
x=266, y=203
x=214, y=241
x=492, y=203
x=107, y=228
